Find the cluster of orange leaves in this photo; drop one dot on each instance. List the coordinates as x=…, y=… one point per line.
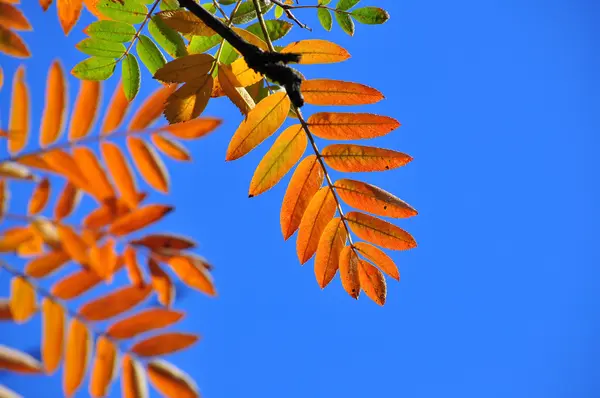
x=109, y=238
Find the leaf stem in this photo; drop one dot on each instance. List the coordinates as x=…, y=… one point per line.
x=139, y=31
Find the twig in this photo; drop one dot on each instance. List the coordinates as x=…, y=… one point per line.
x=290, y=14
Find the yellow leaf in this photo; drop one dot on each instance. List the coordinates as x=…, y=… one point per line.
x=55, y=107
x=53, y=334
x=283, y=155
x=251, y=38
x=161, y=282
x=379, y=232
x=162, y=344
x=171, y=381
x=359, y=158
x=244, y=74
x=46, y=264
x=77, y=354
x=12, y=18
x=185, y=69
x=121, y=173
x=85, y=109
x=379, y=258
x=115, y=303
x=103, y=370
x=193, y=129
x=92, y=170
x=68, y=13
x=22, y=299
x=145, y=321
x=170, y=148
x=317, y=51
x=72, y=243
x=350, y=126
x=149, y=164
x=319, y=212
x=262, y=121
x=337, y=92
x=67, y=201
x=330, y=246
x=305, y=182
x=18, y=126
x=133, y=379
x=185, y=22
x=349, y=271
x=193, y=272
x=372, y=282
x=116, y=110
x=234, y=90
x=12, y=44
x=18, y=361
x=151, y=109
x=372, y=199
x=39, y=197
x=189, y=101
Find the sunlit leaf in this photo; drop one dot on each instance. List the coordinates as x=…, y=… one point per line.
x=162, y=344
x=189, y=101
x=185, y=22
x=85, y=109
x=118, y=32
x=345, y=21
x=133, y=379
x=194, y=273
x=129, y=11
x=12, y=44
x=117, y=109
x=158, y=242
x=372, y=199
x=139, y=218
x=93, y=171
x=337, y=92
x=170, y=148
x=68, y=13
x=22, y=299
x=18, y=126
x=67, y=201
x=39, y=197
x=171, y=381
x=100, y=47
x=103, y=258
x=94, y=68
x=371, y=15
x=150, y=55
x=319, y=212
x=325, y=18
x=151, y=109
x=12, y=18
x=55, y=106
x=75, y=284
x=360, y=158
x=372, y=282
x=72, y=243
x=53, y=334
x=350, y=126
x=162, y=284
x=130, y=76
x=149, y=164
x=329, y=248
x=114, y=303
x=349, y=271
x=193, y=129
x=46, y=264
x=317, y=51
x=166, y=37
x=380, y=232
x=17, y=361
x=142, y=322
x=234, y=90
x=121, y=173
x=77, y=353
x=104, y=367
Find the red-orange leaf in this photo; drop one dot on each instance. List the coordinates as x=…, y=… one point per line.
x=145, y=321
x=53, y=334
x=192, y=129
x=120, y=171
x=103, y=369
x=161, y=282
x=350, y=126
x=46, y=264
x=349, y=271
x=133, y=379
x=379, y=232
x=149, y=164
x=194, y=273
x=68, y=13
x=72, y=243
x=12, y=18
x=62, y=162
x=55, y=106
x=337, y=92
x=92, y=170
x=359, y=158
x=18, y=126
x=305, y=182
x=76, y=356
x=157, y=242
x=286, y=151
x=171, y=381
x=5, y=312
x=12, y=44
x=162, y=344
x=151, y=109
x=116, y=111
x=319, y=212
x=75, y=284
x=170, y=148
x=39, y=197
x=18, y=361
x=375, y=200
x=85, y=109
x=379, y=258
x=134, y=273
x=115, y=303
x=67, y=201
x=22, y=299
x=138, y=219
x=372, y=282
x=330, y=246
x=44, y=3
x=261, y=122
x=317, y=51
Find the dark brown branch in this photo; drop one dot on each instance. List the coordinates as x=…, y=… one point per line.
x=271, y=64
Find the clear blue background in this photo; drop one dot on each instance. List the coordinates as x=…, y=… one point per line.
x=499, y=104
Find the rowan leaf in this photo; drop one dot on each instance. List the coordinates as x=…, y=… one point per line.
x=142, y=322
x=276, y=29
x=345, y=21
x=185, y=69
x=159, y=242
x=116, y=110
x=138, y=219
x=104, y=367
x=129, y=11
x=317, y=51
x=77, y=353
x=22, y=299
x=115, y=303
x=193, y=129
x=379, y=258
x=72, y=243
x=161, y=282
x=68, y=13
x=12, y=18
x=380, y=232
x=162, y=344
x=151, y=109
x=118, y=32
x=85, y=109
x=359, y=158
x=193, y=272
x=337, y=93
x=101, y=48
x=234, y=90
x=53, y=334
x=67, y=201
x=55, y=106
x=372, y=282
x=349, y=271
x=130, y=76
x=189, y=101
x=170, y=148
x=371, y=15
x=18, y=126
x=247, y=13
x=92, y=170
x=39, y=197
x=103, y=259
x=121, y=173
x=185, y=22
x=171, y=381
x=329, y=248
x=94, y=68
x=201, y=44
x=167, y=37
x=350, y=126
x=325, y=18
x=12, y=44
x=75, y=284
x=149, y=164
x=64, y=164
x=244, y=75
x=372, y=199
x=17, y=361
x=150, y=55
x=133, y=379
x=319, y=212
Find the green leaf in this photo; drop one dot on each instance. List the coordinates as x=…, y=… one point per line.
x=119, y=32
x=247, y=13
x=228, y=54
x=130, y=11
x=100, y=48
x=167, y=38
x=346, y=4
x=276, y=29
x=227, y=2
x=325, y=18
x=278, y=12
x=166, y=5
x=130, y=75
x=94, y=68
x=324, y=2
x=371, y=15
x=345, y=22
x=149, y=54
x=201, y=44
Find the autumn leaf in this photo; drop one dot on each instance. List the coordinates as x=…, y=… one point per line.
x=85, y=109
x=372, y=199
x=118, y=106
x=185, y=69
x=193, y=272
x=22, y=299
x=170, y=148
x=68, y=13
x=192, y=129
x=12, y=18
x=359, y=158
x=39, y=197
x=161, y=282
x=72, y=243
x=149, y=164
x=121, y=173
x=317, y=51
x=53, y=331
x=372, y=282
x=18, y=126
x=139, y=218
x=18, y=361
x=185, y=22
x=158, y=242
x=162, y=344
x=103, y=369
x=151, y=109
x=380, y=232
x=329, y=248
x=189, y=101
x=75, y=284
x=379, y=258
x=46, y=264
x=319, y=212
x=350, y=126
x=77, y=355
x=55, y=106
x=90, y=167
x=349, y=271
x=142, y=322
x=114, y=303
x=133, y=379
x=337, y=92
x=67, y=201
x=234, y=90
x=171, y=381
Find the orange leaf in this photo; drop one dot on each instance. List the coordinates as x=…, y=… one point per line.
x=185, y=69
x=46, y=264
x=145, y=321
x=68, y=13
x=379, y=258
x=109, y=211
x=192, y=129
x=330, y=247
x=18, y=361
x=349, y=271
x=286, y=151
x=55, y=107
x=77, y=283
x=171, y=148
x=103, y=259
x=103, y=370
x=350, y=126
x=319, y=212
x=44, y=3
x=62, y=162
x=85, y=108
x=134, y=273
x=53, y=334
x=149, y=164
x=189, y=101
x=161, y=282
x=359, y=158
x=13, y=238
x=245, y=75
x=262, y=121
x=92, y=170
x=151, y=109
x=72, y=243
x=22, y=299
x=317, y=51
x=115, y=303
x=193, y=272
x=171, y=381
x=305, y=182
x=380, y=232
x=133, y=379
x=12, y=44
x=4, y=197
x=5, y=312
x=157, y=242
x=77, y=355
x=121, y=173
x=234, y=90
x=139, y=218
x=39, y=197
x=116, y=111
x=370, y=198
x=67, y=201
x=372, y=282
x=13, y=18
x=162, y=344
x=18, y=126
x=337, y=92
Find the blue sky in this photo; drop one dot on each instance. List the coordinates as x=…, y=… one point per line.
x=499, y=104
